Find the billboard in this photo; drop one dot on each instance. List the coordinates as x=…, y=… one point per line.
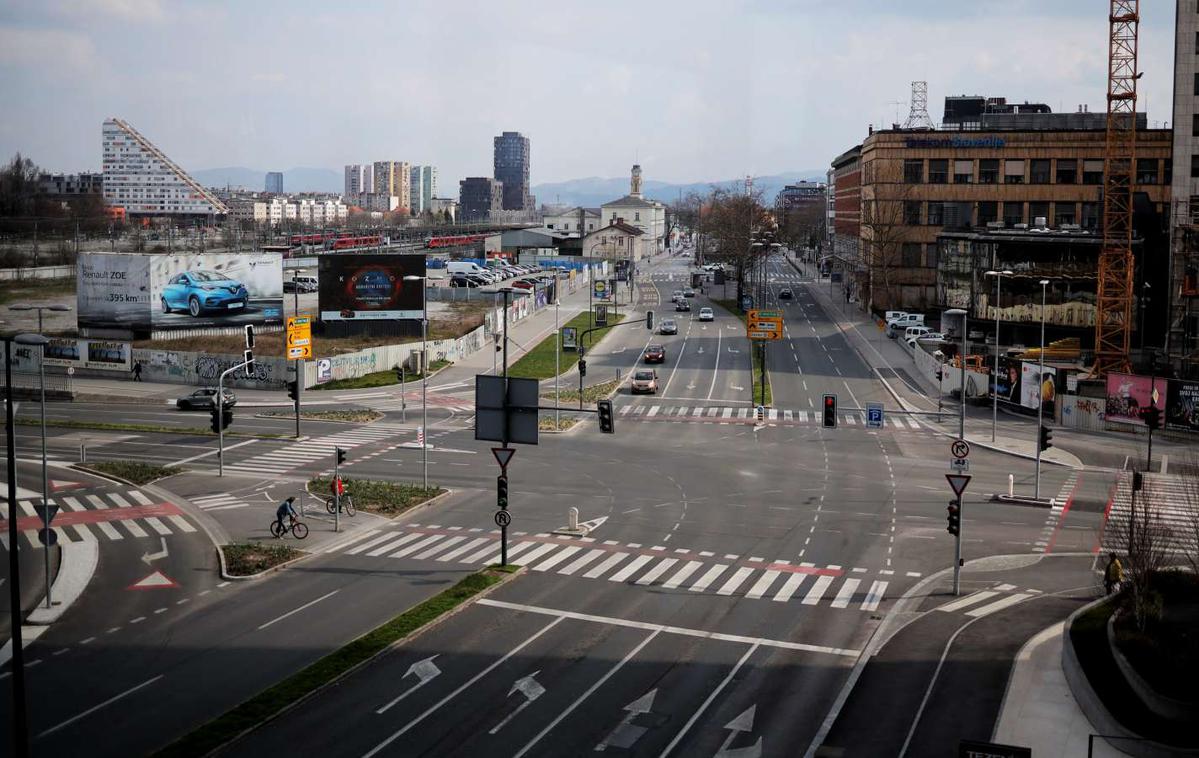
x=1128, y=396
x=83, y=353
x=1182, y=406
x=1006, y=383
x=144, y=292
x=358, y=287
x=1029, y=386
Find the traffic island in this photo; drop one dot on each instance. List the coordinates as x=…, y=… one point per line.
x=756, y=396
x=133, y=473
x=541, y=361
x=244, y=560
x=362, y=416
x=280, y=698
x=388, y=499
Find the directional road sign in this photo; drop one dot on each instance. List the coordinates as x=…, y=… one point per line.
x=874, y=415
x=960, y=449
x=957, y=483
x=299, y=337
x=301, y=352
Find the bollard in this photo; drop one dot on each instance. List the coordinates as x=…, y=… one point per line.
x=83, y=452
x=572, y=519
x=1011, y=485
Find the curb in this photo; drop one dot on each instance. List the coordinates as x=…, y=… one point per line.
x=118, y=480
x=259, y=575
x=73, y=578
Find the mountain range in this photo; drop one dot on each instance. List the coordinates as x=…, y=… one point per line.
x=591, y=191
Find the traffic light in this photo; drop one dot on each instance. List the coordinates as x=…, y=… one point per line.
x=649, y=320
x=227, y=417
x=249, y=359
x=249, y=336
x=399, y=373
x=606, y=420
x=582, y=367
x=954, y=518
x=221, y=419
x=501, y=492
x=216, y=420
x=341, y=456
x=940, y=375
x=1046, y=440
x=1153, y=417
x=1138, y=481
x=830, y=411
x=293, y=390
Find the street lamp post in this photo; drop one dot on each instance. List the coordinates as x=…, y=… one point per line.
x=1040, y=392
x=962, y=364
x=995, y=378
x=424, y=379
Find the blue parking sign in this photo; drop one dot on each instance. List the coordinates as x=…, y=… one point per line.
x=874, y=415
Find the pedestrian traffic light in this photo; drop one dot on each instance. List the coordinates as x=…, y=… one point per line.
x=1138, y=481
x=954, y=518
x=1046, y=440
x=830, y=411
x=399, y=373
x=1153, y=417
x=649, y=320
x=341, y=456
x=293, y=390
x=501, y=492
x=940, y=375
x=582, y=367
x=216, y=420
x=249, y=336
x=606, y=422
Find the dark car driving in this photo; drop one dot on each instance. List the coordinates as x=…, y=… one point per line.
x=655, y=354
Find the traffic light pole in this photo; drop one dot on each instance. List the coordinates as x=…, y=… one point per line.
x=299, y=389
x=502, y=502
x=957, y=550
x=219, y=413
x=336, y=490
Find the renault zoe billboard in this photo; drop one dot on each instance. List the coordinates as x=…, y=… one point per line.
x=142, y=292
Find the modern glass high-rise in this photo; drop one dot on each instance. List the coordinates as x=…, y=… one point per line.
x=511, y=166
x=274, y=182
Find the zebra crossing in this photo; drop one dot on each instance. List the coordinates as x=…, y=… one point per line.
x=1044, y=542
x=725, y=414
x=634, y=564
x=222, y=501
x=1000, y=597
x=782, y=277
x=1167, y=514
x=95, y=516
x=282, y=460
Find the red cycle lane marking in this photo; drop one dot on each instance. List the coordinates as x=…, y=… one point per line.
x=67, y=518
x=1111, y=499
x=1061, y=519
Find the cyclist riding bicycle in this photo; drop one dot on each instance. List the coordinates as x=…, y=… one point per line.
x=285, y=509
x=338, y=489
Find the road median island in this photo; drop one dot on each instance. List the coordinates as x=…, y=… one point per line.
x=755, y=357
x=539, y=362
x=246, y=559
x=365, y=416
x=381, y=498
x=106, y=426
x=135, y=473
x=385, y=378
x=275, y=700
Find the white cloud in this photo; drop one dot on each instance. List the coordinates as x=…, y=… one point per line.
x=136, y=11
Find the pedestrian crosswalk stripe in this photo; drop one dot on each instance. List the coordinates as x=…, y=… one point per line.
x=998, y=605
x=817, y=590
x=415, y=546
x=652, y=412
x=763, y=584
x=964, y=602
x=472, y=545
x=728, y=413
x=789, y=587
x=554, y=560
x=697, y=412
x=604, y=566
x=625, y=409
x=438, y=548
x=634, y=566
x=661, y=568
x=513, y=551
x=710, y=576
x=681, y=575
x=580, y=562
x=874, y=596
x=350, y=540
x=392, y=545
x=361, y=546
x=846, y=594
x=533, y=555
x=735, y=581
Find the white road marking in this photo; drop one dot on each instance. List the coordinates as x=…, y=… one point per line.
x=817, y=590
x=95, y=708
x=998, y=605
x=656, y=571
x=297, y=610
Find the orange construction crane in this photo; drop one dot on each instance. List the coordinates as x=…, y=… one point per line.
x=1113, y=321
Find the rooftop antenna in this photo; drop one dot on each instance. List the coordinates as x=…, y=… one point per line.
x=918, y=116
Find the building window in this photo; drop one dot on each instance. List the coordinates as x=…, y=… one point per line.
x=1039, y=171
x=1194, y=209
x=1013, y=172
x=938, y=171
x=1064, y=213
x=963, y=172
x=1013, y=213
x=1090, y=216
x=910, y=255
x=913, y=171
x=931, y=251
x=1197, y=84
x=1092, y=171
x=988, y=171
x=1194, y=166
x=911, y=212
x=1038, y=213
x=1146, y=170
x=988, y=211
x=1067, y=171
x=1168, y=171
x=936, y=214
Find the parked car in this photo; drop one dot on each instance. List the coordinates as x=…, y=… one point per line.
x=201, y=291
x=706, y=314
x=933, y=337
x=204, y=399
x=668, y=326
x=681, y=305
x=785, y=294
x=463, y=281
x=655, y=354
x=523, y=284
x=644, y=381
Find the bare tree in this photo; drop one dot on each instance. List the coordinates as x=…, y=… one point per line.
x=728, y=221
x=1147, y=541
x=885, y=228
x=1189, y=501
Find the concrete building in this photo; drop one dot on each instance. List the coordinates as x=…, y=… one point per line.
x=617, y=241
x=511, y=167
x=423, y=183
x=647, y=215
x=377, y=202
x=250, y=210
x=577, y=221
x=66, y=186
x=479, y=197
x=358, y=179
x=274, y=182
x=394, y=178
x=141, y=179
x=1182, y=287
x=439, y=205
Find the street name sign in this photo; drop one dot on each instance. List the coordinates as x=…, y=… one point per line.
x=957, y=483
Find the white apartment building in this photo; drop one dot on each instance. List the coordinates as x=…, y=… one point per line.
x=394, y=178
x=359, y=179
x=308, y=211
x=577, y=221
x=647, y=215
x=253, y=211
x=377, y=202
x=141, y=179
x=423, y=183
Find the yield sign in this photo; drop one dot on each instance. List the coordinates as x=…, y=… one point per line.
x=957, y=483
x=155, y=581
x=46, y=512
x=503, y=455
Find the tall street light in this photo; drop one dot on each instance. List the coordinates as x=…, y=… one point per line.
x=995, y=378
x=424, y=378
x=39, y=309
x=1040, y=392
x=961, y=362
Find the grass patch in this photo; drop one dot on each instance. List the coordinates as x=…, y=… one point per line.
x=117, y=427
x=132, y=471
x=756, y=356
x=37, y=290
x=538, y=363
x=248, y=558
x=383, y=498
x=590, y=394
x=377, y=379
x=546, y=423
x=362, y=416
x=274, y=699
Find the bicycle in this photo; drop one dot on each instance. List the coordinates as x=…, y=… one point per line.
x=298, y=529
x=347, y=505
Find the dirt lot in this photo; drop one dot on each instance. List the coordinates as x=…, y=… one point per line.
x=38, y=292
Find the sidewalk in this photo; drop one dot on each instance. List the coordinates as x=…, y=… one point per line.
x=1039, y=711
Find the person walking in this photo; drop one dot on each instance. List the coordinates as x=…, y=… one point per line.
x=1113, y=575
x=137, y=371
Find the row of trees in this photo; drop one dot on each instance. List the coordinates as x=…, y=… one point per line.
x=26, y=211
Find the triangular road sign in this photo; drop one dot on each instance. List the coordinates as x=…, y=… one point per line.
x=155, y=581
x=503, y=455
x=46, y=511
x=957, y=483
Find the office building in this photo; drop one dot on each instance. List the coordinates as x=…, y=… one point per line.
x=140, y=178
x=66, y=186
x=358, y=179
x=511, y=167
x=423, y=183
x=633, y=209
x=479, y=197
x=1182, y=287
x=274, y=182
x=394, y=178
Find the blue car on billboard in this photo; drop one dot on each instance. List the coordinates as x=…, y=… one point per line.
x=199, y=292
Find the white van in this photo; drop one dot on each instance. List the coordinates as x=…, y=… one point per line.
x=913, y=333
x=305, y=282
x=890, y=316
x=896, y=326
x=464, y=267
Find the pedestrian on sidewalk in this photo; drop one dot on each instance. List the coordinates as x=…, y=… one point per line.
x=137, y=371
x=1113, y=575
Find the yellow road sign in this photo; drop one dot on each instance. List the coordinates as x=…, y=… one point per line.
x=296, y=339
x=299, y=337
x=299, y=352
x=762, y=334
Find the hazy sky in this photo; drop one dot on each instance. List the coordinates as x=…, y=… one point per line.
x=696, y=90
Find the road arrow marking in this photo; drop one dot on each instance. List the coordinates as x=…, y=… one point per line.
x=526, y=686
x=731, y=350
x=743, y=723
x=626, y=733
x=691, y=386
x=424, y=670
x=700, y=351
x=735, y=387
x=594, y=523
x=148, y=558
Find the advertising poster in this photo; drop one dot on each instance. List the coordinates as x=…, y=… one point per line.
x=359, y=287
x=63, y=352
x=108, y=355
x=569, y=337
x=1030, y=385
x=1128, y=396
x=216, y=289
x=1007, y=383
x=600, y=289
x=1182, y=406
x=113, y=291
